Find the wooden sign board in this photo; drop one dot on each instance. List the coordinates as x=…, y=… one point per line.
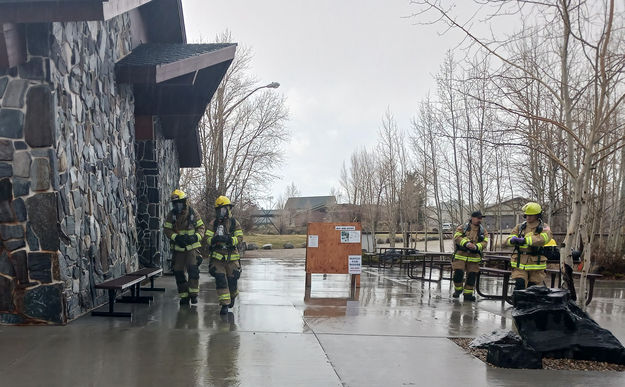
x=331, y=247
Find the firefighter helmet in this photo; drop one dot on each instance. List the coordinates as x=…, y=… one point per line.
x=532, y=208
x=178, y=195
x=222, y=201
x=552, y=242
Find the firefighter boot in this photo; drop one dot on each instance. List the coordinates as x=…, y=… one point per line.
x=223, y=310
x=469, y=297
x=184, y=301
x=457, y=278
x=194, y=299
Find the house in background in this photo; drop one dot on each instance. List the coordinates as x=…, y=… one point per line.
x=507, y=214
x=99, y=106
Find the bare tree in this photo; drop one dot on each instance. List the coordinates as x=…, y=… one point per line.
x=582, y=78
x=241, y=135
x=426, y=149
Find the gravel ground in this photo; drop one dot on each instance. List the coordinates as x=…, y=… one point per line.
x=548, y=364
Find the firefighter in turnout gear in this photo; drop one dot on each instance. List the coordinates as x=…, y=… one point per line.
x=184, y=229
x=470, y=240
x=528, y=260
x=223, y=238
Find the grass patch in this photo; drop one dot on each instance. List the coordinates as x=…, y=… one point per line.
x=277, y=241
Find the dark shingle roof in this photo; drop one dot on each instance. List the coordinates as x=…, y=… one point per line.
x=160, y=53
x=309, y=202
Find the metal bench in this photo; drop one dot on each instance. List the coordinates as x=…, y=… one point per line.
x=150, y=273
x=120, y=284
x=431, y=259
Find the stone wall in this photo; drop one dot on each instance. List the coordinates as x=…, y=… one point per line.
x=67, y=172
x=158, y=174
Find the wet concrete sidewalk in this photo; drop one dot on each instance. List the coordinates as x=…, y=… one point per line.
x=395, y=334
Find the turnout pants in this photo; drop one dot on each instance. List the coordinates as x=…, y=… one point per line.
x=186, y=260
x=226, y=275
x=531, y=272
x=472, y=268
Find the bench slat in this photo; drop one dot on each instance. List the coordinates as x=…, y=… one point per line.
x=147, y=271
x=120, y=283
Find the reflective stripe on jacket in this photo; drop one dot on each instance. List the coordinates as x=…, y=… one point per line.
x=529, y=255
x=221, y=250
x=182, y=225
x=461, y=238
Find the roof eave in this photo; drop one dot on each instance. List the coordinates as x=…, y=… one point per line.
x=65, y=11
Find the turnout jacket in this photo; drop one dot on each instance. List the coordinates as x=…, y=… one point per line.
x=530, y=255
x=466, y=233
x=228, y=250
x=185, y=223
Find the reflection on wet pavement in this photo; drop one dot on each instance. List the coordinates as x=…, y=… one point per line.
x=392, y=331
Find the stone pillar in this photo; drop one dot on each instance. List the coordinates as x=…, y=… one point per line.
x=31, y=290
x=157, y=176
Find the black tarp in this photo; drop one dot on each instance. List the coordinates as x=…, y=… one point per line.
x=549, y=322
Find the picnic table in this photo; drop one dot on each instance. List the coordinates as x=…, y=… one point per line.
x=431, y=259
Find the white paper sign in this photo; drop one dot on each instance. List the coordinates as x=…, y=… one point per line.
x=350, y=236
x=313, y=241
x=355, y=264
x=344, y=227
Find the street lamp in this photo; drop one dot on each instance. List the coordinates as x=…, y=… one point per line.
x=272, y=85
x=219, y=189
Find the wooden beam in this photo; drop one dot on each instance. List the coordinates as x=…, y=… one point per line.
x=29, y=12
x=167, y=71
x=112, y=8
x=70, y=10
x=144, y=128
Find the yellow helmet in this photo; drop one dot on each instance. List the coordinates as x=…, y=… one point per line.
x=532, y=208
x=178, y=195
x=222, y=201
x=552, y=242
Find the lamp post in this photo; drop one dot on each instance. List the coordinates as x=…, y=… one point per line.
x=219, y=188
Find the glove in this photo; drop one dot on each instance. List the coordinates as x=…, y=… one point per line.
x=230, y=242
x=473, y=248
x=191, y=239
x=199, y=260
x=219, y=239
x=517, y=240
x=180, y=240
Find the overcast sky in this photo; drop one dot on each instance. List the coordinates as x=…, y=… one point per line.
x=340, y=64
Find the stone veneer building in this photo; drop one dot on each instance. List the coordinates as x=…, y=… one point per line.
x=99, y=106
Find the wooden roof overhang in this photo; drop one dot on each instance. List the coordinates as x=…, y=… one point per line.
x=176, y=82
x=38, y=11
x=152, y=21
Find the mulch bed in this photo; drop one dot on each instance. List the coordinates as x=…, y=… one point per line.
x=548, y=364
